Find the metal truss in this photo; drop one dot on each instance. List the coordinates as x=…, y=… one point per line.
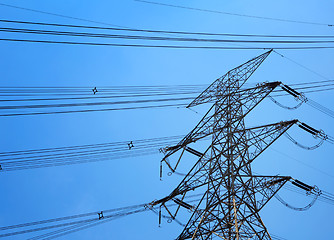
x=233, y=196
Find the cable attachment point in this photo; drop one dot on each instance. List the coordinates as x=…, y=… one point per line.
x=316, y=133
x=322, y=135
x=316, y=190
x=302, y=98
x=299, y=97
x=309, y=189
x=100, y=215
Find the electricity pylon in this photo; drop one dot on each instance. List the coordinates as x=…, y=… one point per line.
x=229, y=208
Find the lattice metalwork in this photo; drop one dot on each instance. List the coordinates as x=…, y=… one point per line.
x=233, y=196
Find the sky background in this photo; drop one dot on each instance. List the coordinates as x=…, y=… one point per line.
x=45, y=193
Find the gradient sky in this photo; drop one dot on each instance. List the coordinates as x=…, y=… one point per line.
x=60, y=191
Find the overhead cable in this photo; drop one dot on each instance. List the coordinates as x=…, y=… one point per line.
x=162, y=46
x=235, y=14
x=69, y=224
x=138, y=98
x=49, y=157
x=58, y=15
x=301, y=65
x=155, y=38
x=163, y=31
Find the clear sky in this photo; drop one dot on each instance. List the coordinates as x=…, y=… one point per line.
x=45, y=193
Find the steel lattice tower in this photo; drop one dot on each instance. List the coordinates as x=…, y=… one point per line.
x=229, y=208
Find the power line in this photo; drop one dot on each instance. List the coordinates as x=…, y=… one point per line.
x=154, y=38
x=163, y=31
x=136, y=104
x=91, y=97
x=7, y=96
x=63, y=105
x=79, y=221
x=51, y=157
x=303, y=163
x=58, y=15
x=301, y=65
x=235, y=14
x=157, y=38
x=128, y=89
x=69, y=224
x=26, y=159
x=320, y=107
x=162, y=46
x=94, y=110
x=148, y=38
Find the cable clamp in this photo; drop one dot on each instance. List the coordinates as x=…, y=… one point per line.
x=130, y=144
x=100, y=215
x=316, y=190
x=302, y=98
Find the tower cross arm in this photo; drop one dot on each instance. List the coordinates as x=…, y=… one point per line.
x=249, y=98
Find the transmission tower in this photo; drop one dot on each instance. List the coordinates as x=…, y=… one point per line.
x=233, y=195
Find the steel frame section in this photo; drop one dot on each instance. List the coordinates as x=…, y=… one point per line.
x=234, y=196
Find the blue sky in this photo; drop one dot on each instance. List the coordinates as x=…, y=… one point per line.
x=54, y=192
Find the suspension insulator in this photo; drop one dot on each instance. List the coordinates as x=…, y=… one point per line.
x=307, y=129
x=290, y=90
x=311, y=128
x=302, y=185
